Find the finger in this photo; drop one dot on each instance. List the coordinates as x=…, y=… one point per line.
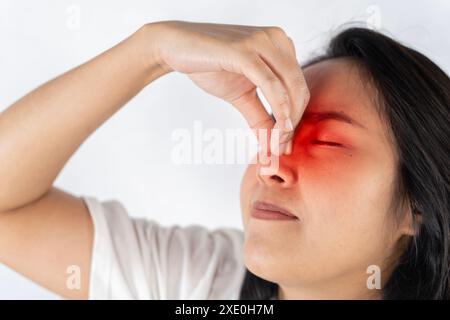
x=280, y=55
x=292, y=77
x=257, y=71
x=291, y=46
x=286, y=67
x=254, y=112
x=257, y=117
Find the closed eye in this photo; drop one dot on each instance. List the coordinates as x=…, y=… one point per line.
x=327, y=143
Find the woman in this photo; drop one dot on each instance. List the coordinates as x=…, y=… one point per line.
x=361, y=191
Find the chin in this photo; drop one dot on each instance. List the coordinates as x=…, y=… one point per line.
x=261, y=260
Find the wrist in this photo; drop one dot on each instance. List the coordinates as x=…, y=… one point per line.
x=147, y=37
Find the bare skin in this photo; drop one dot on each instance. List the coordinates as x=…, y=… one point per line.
x=43, y=230
x=339, y=182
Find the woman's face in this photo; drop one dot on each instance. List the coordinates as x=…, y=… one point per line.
x=340, y=189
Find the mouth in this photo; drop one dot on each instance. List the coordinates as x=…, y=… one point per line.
x=269, y=211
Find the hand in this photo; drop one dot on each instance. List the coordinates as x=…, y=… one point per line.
x=231, y=61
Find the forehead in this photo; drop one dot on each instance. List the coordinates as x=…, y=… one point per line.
x=339, y=85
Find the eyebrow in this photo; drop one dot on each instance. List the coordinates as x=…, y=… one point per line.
x=331, y=115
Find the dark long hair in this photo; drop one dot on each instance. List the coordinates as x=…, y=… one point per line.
x=414, y=96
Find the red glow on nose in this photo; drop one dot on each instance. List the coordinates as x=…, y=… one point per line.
x=320, y=146
x=302, y=135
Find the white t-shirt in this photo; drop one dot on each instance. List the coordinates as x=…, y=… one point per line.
x=140, y=259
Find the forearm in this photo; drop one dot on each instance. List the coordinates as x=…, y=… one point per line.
x=40, y=132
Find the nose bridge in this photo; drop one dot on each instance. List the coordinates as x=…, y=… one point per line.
x=285, y=176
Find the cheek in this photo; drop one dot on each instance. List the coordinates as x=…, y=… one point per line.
x=347, y=204
x=347, y=192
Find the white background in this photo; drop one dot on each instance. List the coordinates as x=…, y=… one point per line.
x=129, y=157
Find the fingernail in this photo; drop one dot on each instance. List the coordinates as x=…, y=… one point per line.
x=288, y=149
x=288, y=124
x=275, y=142
x=282, y=148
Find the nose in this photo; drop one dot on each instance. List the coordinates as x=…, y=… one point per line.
x=284, y=177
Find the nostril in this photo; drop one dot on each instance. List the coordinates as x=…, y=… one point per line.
x=277, y=178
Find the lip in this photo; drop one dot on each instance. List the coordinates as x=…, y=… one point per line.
x=269, y=211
